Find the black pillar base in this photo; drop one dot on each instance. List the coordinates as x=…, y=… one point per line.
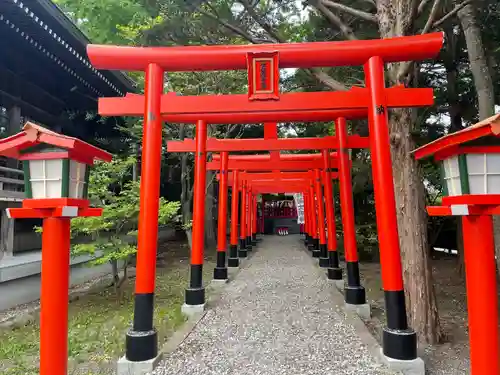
x=316, y=244
x=233, y=262
x=242, y=253
x=316, y=253
x=249, y=242
x=334, y=273
x=140, y=345
x=323, y=250
x=220, y=273
x=254, y=240
x=310, y=247
x=195, y=296
x=310, y=241
x=399, y=344
x=243, y=244
x=355, y=295
x=324, y=262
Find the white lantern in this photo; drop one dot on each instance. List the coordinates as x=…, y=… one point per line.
x=51, y=174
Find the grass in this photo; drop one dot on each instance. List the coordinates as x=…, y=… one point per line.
x=98, y=322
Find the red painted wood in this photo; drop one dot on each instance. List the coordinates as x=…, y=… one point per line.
x=215, y=108
x=291, y=55
x=256, y=144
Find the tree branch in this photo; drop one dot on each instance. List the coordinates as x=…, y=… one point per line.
x=406, y=67
x=335, y=20
x=229, y=26
x=267, y=28
x=432, y=16
x=422, y=6
x=327, y=80
x=451, y=14
x=354, y=12
x=321, y=76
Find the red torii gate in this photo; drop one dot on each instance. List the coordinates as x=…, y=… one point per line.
x=399, y=341
x=272, y=143
x=309, y=189
x=236, y=180
x=318, y=244
x=354, y=293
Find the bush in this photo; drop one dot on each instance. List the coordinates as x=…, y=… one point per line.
x=114, y=233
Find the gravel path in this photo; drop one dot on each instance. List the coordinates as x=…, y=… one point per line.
x=275, y=318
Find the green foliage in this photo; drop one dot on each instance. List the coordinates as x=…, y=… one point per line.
x=109, y=21
x=110, y=187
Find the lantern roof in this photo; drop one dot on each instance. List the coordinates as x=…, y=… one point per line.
x=33, y=135
x=484, y=134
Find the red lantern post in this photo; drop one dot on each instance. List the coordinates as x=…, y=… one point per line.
x=469, y=165
x=56, y=185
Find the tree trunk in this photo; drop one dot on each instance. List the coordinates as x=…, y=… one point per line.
x=478, y=61
x=210, y=230
x=395, y=18
x=450, y=60
x=412, y=225
x=483, y=82
x=186, y=190
x=210, y=213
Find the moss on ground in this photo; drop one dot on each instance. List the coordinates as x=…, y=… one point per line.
x=97, y=325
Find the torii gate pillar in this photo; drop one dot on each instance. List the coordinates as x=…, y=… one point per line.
x=233, y=260
x=399, y=340
x=195, y=293
x=355, y=296
x=220, y=271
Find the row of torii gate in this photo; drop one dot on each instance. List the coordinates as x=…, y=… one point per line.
x=310, y=174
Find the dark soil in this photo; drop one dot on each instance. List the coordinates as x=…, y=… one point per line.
x=452, y=356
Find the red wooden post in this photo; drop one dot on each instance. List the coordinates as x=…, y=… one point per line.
x=249, y=211
x=354, y=292
x=262, y=214
x=256, y=219
x=306, y=219
x=308, y=210
x=399, y=341
x=314, y=221
x=482, y=294
x=141, y=340
x=322, y=251
x=54, y=292
x=242, y=253
x=334, y=271
x=220, y=271
x=233, y=260
x=195, y=294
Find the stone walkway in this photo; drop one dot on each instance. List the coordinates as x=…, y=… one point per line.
x=276, y=317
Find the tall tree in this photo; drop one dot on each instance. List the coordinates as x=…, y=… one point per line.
x=478, y=60
x=483, y=80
